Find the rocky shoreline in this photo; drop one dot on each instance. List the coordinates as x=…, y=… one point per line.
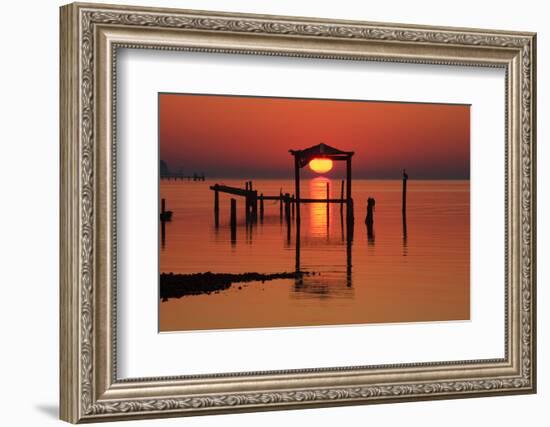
x=178, y=285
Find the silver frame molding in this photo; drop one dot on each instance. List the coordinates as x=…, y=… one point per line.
x=90, y=37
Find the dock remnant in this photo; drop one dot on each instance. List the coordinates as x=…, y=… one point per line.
x=369, y=220
x=164, y=214
x=404, y=200
x=281, y=204
x=233, y=221
x=287, y=208
x=216, y=208
x=342, y=199
x=262, y=207
x=328, y=204
x=322, y=151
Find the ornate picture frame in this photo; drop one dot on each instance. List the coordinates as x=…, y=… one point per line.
x=90, y=37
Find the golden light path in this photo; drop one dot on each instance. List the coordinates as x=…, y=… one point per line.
x=320, y=165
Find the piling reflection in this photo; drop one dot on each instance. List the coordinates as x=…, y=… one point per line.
x=163, y=234
x=405, y=242
x=326, y=283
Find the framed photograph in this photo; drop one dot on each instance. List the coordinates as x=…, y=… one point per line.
x=265, y=212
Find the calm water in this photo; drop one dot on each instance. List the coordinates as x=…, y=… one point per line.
x=420, y=272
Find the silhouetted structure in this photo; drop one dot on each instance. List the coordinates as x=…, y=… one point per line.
x=289, y=205
x=369, y=220
x=164, y=217
x=233, y=221
x=404, y=201
x=164, y=214
x=321, y=151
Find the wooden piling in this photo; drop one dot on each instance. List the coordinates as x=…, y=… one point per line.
x=247, y=208
x=404, y=200
x=350, y=218
x=233, y=221
x=369, y=220
x=287, y=208
x=163, y=234
x=297, y=185
x=348, y=180
x=287, y=215
x=163, y=206
x=341, y=198
x=254, y=203
x=328, y=203
x=262, y=207
x=293, y=206
x=216, y=208
x=281, y=204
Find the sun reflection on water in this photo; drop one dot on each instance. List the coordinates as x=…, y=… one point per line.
x=319, y=218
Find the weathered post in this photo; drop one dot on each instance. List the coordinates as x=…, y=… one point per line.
x=293, y=199
x=163, y=233
x=348, y=190
x=287, y=208
x=328, y=203
x=287, y=216
x=349, y=244
x=216, y=207
x=369, y=220
x=254, y=203
x=233, y=221
x=281, y=204
x=404, y=202
x=350, y=222
x=299, y=279
x=297, y=184
x=248, y=199
x=262, y=207
x=248, y=202
x=341, y=198
x=405, y=228
x=164, y=214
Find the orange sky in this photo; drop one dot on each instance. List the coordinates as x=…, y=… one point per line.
x=249, y=137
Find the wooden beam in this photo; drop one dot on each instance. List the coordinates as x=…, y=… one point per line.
x=229, y=190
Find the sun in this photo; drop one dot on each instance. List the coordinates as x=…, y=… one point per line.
x=320, y=165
